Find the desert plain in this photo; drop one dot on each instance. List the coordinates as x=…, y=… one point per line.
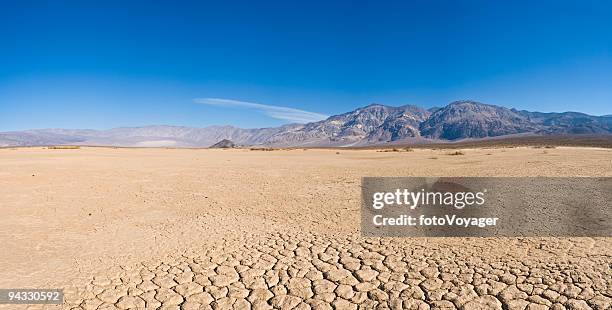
x=153, y=228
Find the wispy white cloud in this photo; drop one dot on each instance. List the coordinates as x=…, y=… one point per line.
x=278, y=112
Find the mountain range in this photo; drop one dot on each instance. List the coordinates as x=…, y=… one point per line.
x=370, y=125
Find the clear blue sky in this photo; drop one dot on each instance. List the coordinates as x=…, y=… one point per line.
x=80, y=64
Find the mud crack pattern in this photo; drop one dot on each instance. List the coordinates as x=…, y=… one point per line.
x=301, y=271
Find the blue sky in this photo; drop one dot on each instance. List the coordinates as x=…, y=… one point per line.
x=81, y=64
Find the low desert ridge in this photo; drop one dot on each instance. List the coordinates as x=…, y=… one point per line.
x=239, y=229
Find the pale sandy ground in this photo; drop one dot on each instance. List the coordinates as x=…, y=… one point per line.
x=223, y=229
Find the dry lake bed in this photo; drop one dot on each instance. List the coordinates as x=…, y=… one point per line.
x=121, y=228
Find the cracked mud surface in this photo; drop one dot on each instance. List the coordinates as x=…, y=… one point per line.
x=322, y=272
x=198, y=229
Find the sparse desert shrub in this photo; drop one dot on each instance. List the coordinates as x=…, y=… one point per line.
x=396, y=150
x=262, y=149
x=545, y=146
x=64, y=147
x=433, y=157
x=456, y=153
x=337, y=153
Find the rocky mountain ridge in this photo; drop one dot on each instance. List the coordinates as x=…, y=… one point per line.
x=369, y=125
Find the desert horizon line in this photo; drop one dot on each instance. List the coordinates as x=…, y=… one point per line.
x=266, y=108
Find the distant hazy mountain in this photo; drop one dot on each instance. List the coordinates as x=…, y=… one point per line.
x=147, y=136
x=373, y=124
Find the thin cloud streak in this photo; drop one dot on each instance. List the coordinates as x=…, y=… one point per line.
x=278, y=112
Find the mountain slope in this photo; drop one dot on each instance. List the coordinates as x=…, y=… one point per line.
x=469, y=119
x=374, y=123
x=570, y=122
